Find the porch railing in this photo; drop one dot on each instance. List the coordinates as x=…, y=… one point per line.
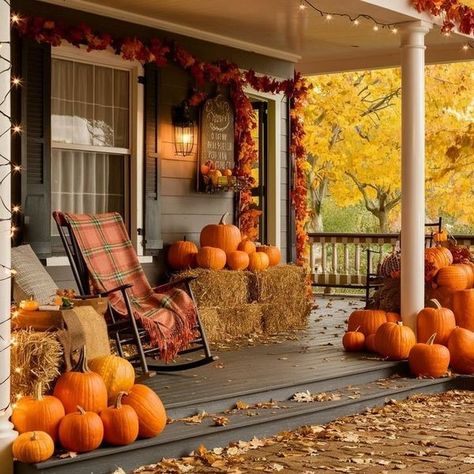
x=340, y=260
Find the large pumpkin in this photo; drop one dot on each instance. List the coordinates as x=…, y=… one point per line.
x=182, y=255
x=439, y=257
x=149, y=408
x=120, y=423
x=435, y=320
x=370, y=343
x=393, y=317
x=461, y=348
x=222, y=236
x=81, y=387
x=455, y=277
x=33, y=447
x=238, y=260
x=274, y=254
x=368, y=320
x=118, y=374
x=211, y=258
x=463, y=308
x=394, y=341
x=429, y=359
x=247, y=246
x=38, y=413
x=81, y=432
x=258, y=261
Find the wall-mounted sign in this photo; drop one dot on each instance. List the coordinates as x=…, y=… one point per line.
x=217, y=159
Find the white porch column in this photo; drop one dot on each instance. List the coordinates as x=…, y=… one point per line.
x=413, y=170
x=7, y=435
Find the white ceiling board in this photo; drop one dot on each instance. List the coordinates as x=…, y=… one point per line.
x=279, y=28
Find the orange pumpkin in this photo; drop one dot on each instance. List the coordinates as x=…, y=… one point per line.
x=353, y=341
x=182, y=255
x=38, y=413
x=149, y=408
x=238, y=260
x=469, y=268
x=440, y=236
x=81, y=431
x=222, y=236
x=247, y=246
x=258, y=261
x=81, y=387
x=461, y=348
x=369, y=320
x=33, y=447
x=439, y=257
x=435, y=320
x=116, y=372
x=211, y=258
x=463, y=308
x=394, y=341
x=429, y=359
x=120, y=423
x=30, y=304
x=274, y=254
x=370, y=343
x=454, y=277
x=393, y=317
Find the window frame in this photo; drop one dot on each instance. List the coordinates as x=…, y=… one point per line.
x=108, y=58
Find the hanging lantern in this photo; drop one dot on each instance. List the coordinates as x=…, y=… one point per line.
x=183, y=126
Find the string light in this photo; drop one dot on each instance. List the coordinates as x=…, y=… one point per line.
x=375, y=28
x=302, y=5
x=356, y=22
x=328, y=17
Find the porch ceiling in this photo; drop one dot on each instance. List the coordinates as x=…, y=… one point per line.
x=279, y=28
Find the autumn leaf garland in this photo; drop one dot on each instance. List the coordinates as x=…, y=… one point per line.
x=223, y=73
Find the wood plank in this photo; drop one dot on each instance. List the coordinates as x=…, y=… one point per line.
x=198, y=205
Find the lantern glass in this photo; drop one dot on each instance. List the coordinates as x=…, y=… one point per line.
x=184, y=138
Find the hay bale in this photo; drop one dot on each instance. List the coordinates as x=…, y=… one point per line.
x=278, y=319
x=212, y=324
x=35, y=356
x=219, y=287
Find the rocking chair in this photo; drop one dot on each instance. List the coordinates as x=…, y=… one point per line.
x=128, y=330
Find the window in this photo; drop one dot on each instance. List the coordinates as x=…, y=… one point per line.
x=90, y=138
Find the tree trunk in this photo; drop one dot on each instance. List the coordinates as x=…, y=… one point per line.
x=383, y=222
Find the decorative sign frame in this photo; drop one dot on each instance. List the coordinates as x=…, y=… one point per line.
x=216, y=146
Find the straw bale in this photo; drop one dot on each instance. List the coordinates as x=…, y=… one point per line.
x=35, y=356
x=282, y=318
x=219, y=287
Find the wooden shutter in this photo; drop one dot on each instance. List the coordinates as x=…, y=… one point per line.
x=152, y=212
x=36, y=146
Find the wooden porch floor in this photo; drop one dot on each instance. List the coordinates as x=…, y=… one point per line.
x=315, y=361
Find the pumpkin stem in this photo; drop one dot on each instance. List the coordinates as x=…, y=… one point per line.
x=39, y=391
x=223, y=218
x=357, y=329
x=81, y=365
x=81, y=410
x=34, y=436
x=435, y=303
x=430, y=341
x=118, y=401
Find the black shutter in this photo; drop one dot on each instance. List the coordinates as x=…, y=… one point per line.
x=152, y=213
x=36, y=146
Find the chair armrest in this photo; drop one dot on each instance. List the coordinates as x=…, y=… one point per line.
x=104, y=293
x=172, y=284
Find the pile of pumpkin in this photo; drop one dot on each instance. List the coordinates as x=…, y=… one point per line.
x=222, y=245
x=88, y=406
x=441, y=342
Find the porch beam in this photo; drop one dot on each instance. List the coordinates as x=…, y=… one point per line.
x=413, y=171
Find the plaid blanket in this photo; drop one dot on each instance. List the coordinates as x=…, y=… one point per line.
x=169, y=318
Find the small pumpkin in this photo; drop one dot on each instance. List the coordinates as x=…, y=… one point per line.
x=215, y=175
x=463, y=308
x=353, y=341
x=247, y=246
x=370, y=343
x=258, y=261
x=238, y=260
x=30, y=304
x=393, y=317
x=116, y=372
x=33, y=447
x=441, y=236
x=394, y=341
x=120, y=423
x=435, y=320
x=80, y=386
x=455, y=277
x=274, y=254
x=429, y=359
x=369, y=320
x=149, y=408
x=461, y=348
x=223, y=236
x=81, y=431
x=38, y=413
x=438, y=257
x=212, y=258
x=182, y=255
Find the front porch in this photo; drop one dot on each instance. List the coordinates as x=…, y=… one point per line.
x=264, y=377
